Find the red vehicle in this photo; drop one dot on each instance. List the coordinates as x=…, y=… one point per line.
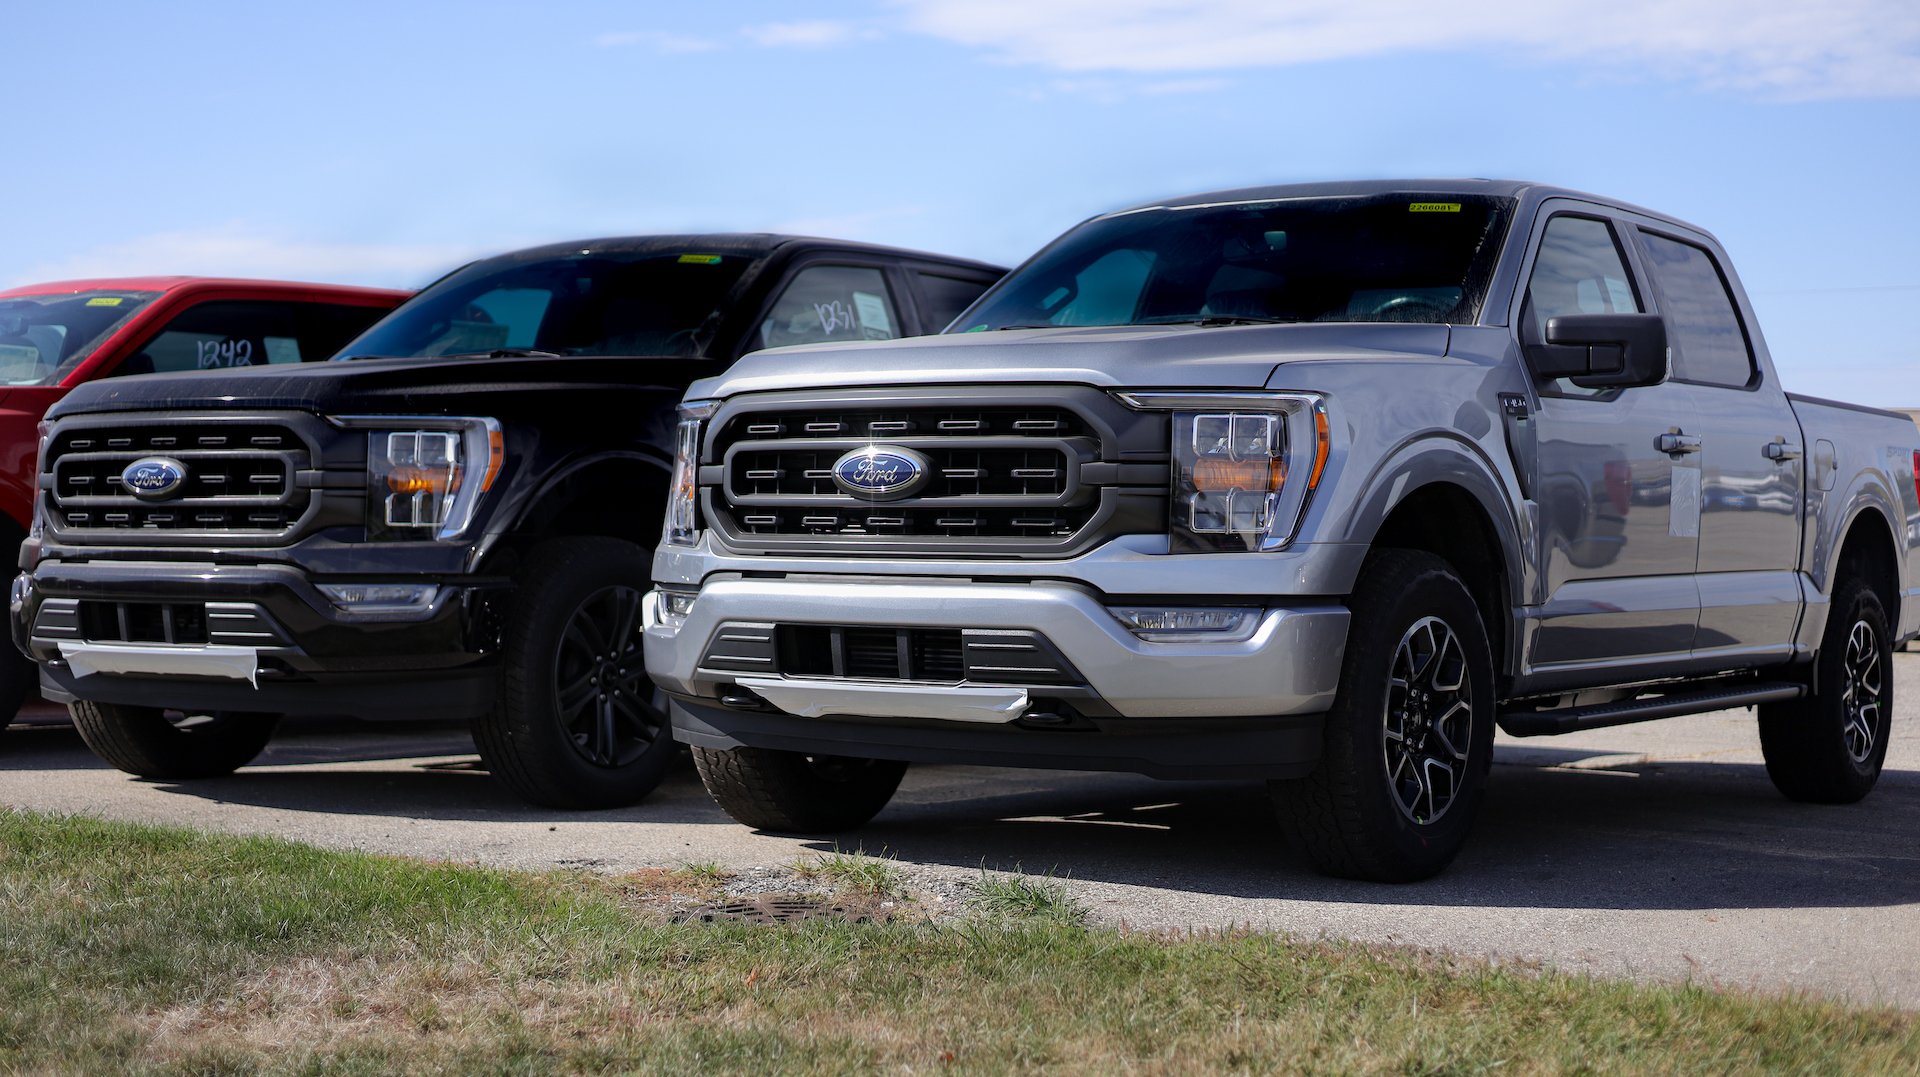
x=59, y=335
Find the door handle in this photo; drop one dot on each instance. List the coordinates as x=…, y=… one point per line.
x=1677, y=444
x=1780, y=450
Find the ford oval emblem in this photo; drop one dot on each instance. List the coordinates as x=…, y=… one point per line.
x=153, y=476
x=881, y=472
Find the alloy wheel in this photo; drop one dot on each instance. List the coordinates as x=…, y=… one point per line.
x=1861, y=691
x=600, y=688
x=1428, y=725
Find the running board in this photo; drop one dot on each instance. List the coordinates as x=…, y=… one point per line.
x=1525, y=723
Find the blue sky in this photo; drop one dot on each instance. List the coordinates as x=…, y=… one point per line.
x=384, y=143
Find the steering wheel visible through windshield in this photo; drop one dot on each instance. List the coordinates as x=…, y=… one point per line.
x=614, y=303
x=1377, y=258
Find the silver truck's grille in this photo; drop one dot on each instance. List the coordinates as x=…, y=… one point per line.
x=238, y=477
x=992, y=473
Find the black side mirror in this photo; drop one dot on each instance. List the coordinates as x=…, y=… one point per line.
x=1603, y=351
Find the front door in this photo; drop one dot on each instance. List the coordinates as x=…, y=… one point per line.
x=1619, y=514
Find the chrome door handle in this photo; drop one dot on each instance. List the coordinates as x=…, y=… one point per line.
x=1677, y=444
x=1780, y=450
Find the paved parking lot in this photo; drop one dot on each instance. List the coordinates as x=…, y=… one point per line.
x=1653, y=851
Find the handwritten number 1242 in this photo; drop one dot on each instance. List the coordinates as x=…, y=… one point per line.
x=219, y=353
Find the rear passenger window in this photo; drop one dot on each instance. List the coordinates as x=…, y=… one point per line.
x=831, y=303
x=225, y=334
x=1709, y=344
x=945, y=298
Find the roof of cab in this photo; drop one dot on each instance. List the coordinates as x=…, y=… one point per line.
x=1523, y=191
x=745, y=244
x=180, y=283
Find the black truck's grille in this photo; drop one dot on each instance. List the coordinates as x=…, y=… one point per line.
x=239, y=477
x=1038, y=470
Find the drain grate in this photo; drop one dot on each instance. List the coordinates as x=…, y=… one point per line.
x=779, y=910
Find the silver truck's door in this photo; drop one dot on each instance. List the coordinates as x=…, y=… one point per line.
x=1618, y=489
x=1751, y=458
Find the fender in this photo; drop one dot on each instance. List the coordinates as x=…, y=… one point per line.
x=514, y=515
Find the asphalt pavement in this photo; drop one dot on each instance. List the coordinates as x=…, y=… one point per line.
x=1655, y=851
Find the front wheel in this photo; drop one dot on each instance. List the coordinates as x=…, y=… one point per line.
x=1410, y=738
x=1828, y=747
x=169, y=745
x=576, y=723
x=794, y=793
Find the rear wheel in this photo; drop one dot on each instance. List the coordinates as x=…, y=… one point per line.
x=576, y=723
x=796, y=793
x=1410, y=738
x=1828, y=747
x=155, y=743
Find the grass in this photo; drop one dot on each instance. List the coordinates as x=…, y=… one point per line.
x=855, y=872
x=1019, y=896
x=132, y=948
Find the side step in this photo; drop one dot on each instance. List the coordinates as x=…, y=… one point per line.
x=1545, y=723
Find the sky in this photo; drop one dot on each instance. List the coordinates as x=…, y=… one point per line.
x=386, y=143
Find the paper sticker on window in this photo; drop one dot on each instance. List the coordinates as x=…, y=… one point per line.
x=105, y=301
x=700, y=259
x=1434, y=207
x=873, y=313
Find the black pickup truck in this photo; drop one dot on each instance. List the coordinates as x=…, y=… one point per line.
x=458, y=521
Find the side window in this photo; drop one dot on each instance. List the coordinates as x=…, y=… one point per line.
x=945, y=297
x=831, y=303
x=1579, y=271
x=220, y=335
x=1709, y=344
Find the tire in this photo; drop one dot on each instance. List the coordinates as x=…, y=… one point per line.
x=166, y=745
x=555, y=735
x=1828, y=747
x=794, y=793
x=1403, y=767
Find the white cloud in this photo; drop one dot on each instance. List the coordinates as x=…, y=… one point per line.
x=657, y=40
x=811, y=34
x=1775, y=48
x=238, y=251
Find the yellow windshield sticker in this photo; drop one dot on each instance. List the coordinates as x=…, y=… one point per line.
x=1434, y=207
x=701, y=259
x=104, y=301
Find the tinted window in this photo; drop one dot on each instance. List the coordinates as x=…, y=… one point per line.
x=237, y=333
x=43, y=337
x=1398, y=258
x=1708, y=340
x=647, y=303
x=946, y=297
x=831, y=303
x=1578, y=271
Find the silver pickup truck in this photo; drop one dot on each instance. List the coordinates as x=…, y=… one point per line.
x=1316, y=484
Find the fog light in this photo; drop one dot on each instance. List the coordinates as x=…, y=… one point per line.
x=381, y=597
x=1188, y=625
x=675, y=606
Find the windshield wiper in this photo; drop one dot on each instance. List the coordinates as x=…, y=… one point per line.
x=1220, y=319
x=506, y=353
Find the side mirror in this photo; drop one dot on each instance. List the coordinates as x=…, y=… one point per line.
x=1603, y=351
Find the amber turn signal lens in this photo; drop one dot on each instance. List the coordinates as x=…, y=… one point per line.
x=1215, y=474
x=417, y=480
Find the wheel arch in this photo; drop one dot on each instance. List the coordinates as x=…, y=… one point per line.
x=1869, y=550
x=615, y=495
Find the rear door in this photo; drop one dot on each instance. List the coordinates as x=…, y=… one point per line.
x=1750, y=458
x=1619, y=515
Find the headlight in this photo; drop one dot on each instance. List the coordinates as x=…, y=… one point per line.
x=426, y=475
x=683, y=498
x=1244, y=465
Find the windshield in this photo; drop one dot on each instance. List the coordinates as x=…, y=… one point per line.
x=43, y=337
x=643, y=304
x=1386, y=258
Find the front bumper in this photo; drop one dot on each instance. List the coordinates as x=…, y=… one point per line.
x=263, y=638
x=1171, y=709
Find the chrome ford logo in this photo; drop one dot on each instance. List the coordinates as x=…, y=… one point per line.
x=881, y=473
x=153, y=476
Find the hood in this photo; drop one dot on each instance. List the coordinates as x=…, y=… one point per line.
x=1134, y=357
x=386, y=386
